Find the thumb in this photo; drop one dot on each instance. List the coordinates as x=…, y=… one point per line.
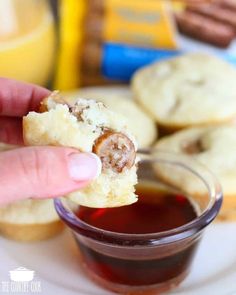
x=42, y=172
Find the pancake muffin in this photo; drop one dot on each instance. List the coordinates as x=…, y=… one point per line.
x=89, y=126
x=119, y=99
x=189, y=90
x=214, y=147
x=30, y=220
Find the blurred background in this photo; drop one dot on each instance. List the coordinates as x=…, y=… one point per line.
x=66, y=44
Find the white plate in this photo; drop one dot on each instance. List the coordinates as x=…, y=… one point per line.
x=56, y=265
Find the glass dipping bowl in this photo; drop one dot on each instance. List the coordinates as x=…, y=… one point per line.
x=153, y=262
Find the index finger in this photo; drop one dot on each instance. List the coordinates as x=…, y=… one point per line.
x=18, y=98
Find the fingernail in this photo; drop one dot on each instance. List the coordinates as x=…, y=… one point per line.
x=84, y=166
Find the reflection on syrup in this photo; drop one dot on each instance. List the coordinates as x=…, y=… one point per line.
x=154, y=212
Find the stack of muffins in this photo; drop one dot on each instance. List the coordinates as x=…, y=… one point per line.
x=193, y=100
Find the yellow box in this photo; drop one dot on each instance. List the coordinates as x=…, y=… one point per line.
x=145, y=23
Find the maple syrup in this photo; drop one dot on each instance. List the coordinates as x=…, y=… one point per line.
x=155, y=212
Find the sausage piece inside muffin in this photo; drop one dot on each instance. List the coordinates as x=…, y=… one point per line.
x=89, y=126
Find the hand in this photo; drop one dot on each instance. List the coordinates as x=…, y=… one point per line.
x=36, y=172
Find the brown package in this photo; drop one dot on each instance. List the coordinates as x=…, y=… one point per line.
x=204, y=29
x=215, y=12
x=230, y=4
